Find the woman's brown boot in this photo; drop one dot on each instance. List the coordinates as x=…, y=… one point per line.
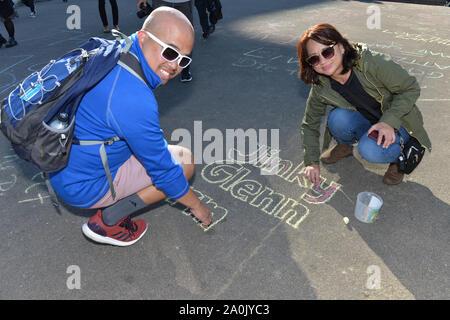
x=392, y=175
x=336, y=153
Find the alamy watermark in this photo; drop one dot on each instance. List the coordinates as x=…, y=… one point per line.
x=374, y=19
x=73, y=22
x=232, y=146
x=74, y=280
x=374, y=280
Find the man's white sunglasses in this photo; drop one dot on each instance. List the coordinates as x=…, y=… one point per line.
x=171, y=54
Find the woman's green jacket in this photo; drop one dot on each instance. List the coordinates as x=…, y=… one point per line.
x=384, y=80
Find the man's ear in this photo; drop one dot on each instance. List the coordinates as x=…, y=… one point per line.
x=140, y=38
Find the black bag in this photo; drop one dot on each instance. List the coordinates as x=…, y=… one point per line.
x=214, y=8
x=412, y=154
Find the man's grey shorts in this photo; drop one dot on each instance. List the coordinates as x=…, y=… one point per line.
x=130, y=178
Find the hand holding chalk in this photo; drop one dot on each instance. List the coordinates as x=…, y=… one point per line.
x=202, y=213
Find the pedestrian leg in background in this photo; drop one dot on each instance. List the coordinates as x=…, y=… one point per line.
x=203, y=17
x=30, y=4
x=9, y=25
x=115, y=13
x=103, y=16
x=186, y=9
x=158, y=3
x=7, y=14
x=2, y=40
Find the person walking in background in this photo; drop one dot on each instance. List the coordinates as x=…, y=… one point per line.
x=115, y=13
x=30, y=4
x=185, y=6
x=201, y=6
x=7, y=13
x=215, y=11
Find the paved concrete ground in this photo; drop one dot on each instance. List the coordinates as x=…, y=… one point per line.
x=291, y=245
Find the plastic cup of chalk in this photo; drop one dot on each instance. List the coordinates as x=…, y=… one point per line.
x=368, y=206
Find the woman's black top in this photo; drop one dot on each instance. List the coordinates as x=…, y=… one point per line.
x=354, y=93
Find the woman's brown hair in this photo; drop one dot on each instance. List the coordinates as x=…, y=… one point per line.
x=325, y=34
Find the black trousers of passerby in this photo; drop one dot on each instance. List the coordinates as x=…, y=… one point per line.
x=102, y=10
x=202, y=14
x=9, y=26
x=6, y=15
x=29, y=4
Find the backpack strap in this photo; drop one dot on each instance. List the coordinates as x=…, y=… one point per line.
x=131, y=63
x=103, y=156
x=128, y=60
x=122, y=37
x=51, y=191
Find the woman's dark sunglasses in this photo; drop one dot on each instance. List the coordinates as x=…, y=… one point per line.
x=327, y=53
x=171, y=54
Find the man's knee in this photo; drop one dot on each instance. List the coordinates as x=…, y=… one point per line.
x=190, y=167
x=186, y=159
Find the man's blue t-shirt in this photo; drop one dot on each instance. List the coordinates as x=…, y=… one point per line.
x=120, y=105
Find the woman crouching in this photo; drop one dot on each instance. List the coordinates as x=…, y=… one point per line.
x=373, y=100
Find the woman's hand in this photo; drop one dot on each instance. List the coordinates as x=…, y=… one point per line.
x=312, y=172
x=384, y=131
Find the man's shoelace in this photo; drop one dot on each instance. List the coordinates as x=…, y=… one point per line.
x=129, y=225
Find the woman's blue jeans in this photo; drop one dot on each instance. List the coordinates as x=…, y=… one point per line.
x=348, y=127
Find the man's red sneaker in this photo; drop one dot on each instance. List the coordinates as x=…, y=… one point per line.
x=125, y=233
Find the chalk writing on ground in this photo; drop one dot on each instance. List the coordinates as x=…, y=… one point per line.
x=36, y=186
x=218, y=212
x=417, y=37
x=233, y=179
x=231, y=176
x=268, y=59
x=9, y=181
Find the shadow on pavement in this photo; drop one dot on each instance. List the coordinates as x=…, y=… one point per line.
x=410, y=236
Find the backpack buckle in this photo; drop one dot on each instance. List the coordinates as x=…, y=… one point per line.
x=110, y=141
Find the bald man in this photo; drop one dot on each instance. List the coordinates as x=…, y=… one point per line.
x=184, y=6
x=144, y=168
